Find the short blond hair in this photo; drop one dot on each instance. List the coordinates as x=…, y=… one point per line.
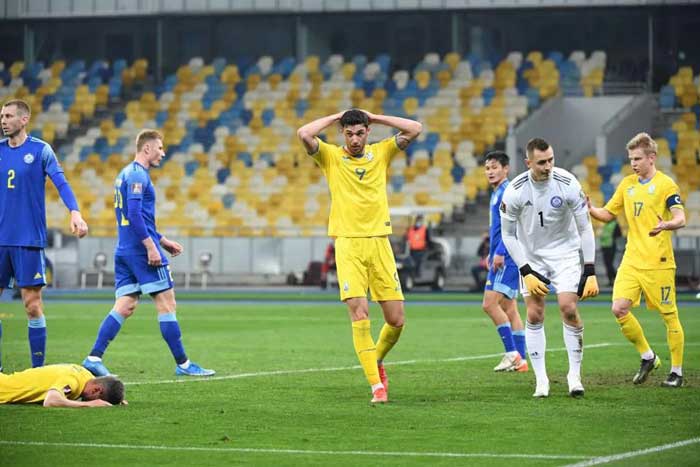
x=21, y=105
x=644, y=141
x=145, y=136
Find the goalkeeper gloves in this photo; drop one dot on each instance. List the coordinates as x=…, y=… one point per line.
x=588, y=285
x=535, y=282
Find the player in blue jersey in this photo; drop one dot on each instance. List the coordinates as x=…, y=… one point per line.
x=25, y=162
x=502, y=283
x=140, y=265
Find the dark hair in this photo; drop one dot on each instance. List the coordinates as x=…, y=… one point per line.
x=536, y=143
x=112, y=389
x=21, y=105
x=354, y=117
x=498, y=156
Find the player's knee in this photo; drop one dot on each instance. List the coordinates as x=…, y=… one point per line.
x=33, y=307
x=619, y=310
x=671, y=321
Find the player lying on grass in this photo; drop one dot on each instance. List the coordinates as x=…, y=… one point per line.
x=62, y=385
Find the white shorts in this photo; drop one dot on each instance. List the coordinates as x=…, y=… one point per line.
x=565, y=273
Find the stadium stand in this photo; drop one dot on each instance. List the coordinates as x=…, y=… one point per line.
x=234, y=162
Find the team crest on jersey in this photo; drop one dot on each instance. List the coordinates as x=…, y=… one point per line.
x=28, y=158
x=651, y=189
x=556, y=201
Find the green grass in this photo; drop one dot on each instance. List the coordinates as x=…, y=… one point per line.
x=439, y=404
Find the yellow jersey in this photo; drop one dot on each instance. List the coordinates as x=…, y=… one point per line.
x=359, y=205
x=31, y=385
x=642, y=202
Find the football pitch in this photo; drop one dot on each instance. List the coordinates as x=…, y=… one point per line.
x=288, y=391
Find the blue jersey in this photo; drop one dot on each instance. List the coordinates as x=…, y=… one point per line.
x=133, y=182
x=23, y=172
x=496, y=246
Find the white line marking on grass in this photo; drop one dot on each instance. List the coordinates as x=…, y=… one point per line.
x=340, y=368
x=296, y=451
x=641, y=452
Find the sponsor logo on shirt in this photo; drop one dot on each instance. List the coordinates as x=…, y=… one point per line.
x=369, y=156
x=556, y=201
x=136, y=188
x=38, y=275
x=28, y=158
x=651, y=189
x=630, y=191
x=66, y=390
x=503, y=206
x=346, y=286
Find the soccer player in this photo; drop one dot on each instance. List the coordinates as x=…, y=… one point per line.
x=359, y=221
x=651, y=203
x=60, y=386
x=140, y=265
x=547, y=210
x=25, y=162
x=501, y=290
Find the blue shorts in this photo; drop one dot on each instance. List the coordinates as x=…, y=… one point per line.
x=22, y=265
x=505, y=280
x=133, y=275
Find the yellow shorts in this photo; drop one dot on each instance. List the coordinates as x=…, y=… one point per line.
x=367, y=263
x=658, y=285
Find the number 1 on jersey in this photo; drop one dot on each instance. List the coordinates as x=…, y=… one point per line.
x=541, y=219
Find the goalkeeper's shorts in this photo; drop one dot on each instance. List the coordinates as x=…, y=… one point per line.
x=565, y=273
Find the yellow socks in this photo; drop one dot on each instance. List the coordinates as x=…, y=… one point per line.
x=387, y=339
x=675, y=338
x=632, y=330
x=365, y=349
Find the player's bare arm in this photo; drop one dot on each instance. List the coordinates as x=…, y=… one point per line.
x=599, y=214
x=56, y=399
x=307, y=134
x=676, y=222
x=171, y=246
x=408, y=129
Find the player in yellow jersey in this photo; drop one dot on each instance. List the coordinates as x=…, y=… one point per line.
x=652, y=205
x=359, y=221
x=60, y=386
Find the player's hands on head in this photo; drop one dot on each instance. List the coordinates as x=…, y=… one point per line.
x=588, y=285
x=535, y=282
x=78, y=226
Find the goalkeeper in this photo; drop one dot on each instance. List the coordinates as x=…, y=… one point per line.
x=545, y=223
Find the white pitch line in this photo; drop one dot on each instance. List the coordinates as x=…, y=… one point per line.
x=641, y=452
x=296, y=451
x=340, y=368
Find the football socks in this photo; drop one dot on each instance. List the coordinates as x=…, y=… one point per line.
x=676, y=340
x=365, y=350
x=388, y=337
x=573, y=341
x=519, y=340
x=632, y=330
x=37, y=340
x=170, y=330
x=506, y=334
x=536, y=345
x=108, y=331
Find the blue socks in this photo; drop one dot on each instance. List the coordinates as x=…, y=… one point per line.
x=108, y=331
x=37, y=340
x=170, y=330
x=506, y=336
x=519, y=339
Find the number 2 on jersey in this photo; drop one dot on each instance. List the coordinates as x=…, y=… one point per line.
x=119, y=204
x=10, y=177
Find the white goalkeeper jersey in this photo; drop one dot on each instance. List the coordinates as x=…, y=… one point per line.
x=544, y=212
